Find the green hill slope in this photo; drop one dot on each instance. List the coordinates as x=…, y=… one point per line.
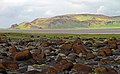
x=71, y=21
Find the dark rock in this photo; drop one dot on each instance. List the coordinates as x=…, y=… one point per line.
x=61, y=66
x=33, y=72
x=82, y=68
x=104, y=61
x=105, y=52
x=23, y=55
x=22, y=69
x=13, y=49
x=90, y=56
x=46, y=44
x=3, y=71
x=9, y=65
x=66, y=46
x=104, y=70
x=78, y=48
x=38, y=56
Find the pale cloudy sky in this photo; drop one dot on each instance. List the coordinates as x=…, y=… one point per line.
x=17, y=11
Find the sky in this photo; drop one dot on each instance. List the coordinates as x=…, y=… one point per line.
x=17, y=11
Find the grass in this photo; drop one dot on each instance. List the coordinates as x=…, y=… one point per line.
x=116, y=25
x=35, y=35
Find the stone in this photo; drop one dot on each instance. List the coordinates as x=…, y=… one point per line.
x=72, y=57
x=46, y=44
x=110, y=71
x=23, y=55
x=13, y=50
x=50, y=70
x=30, y=68
x=32, y=72
x=22, y=69
x=38, y=56
x=104, y=61
x=79, y=48
x=82, y=68
x=118, y=61
x=105, y=52
x=9, y=65
x=99, y=45
x=100, y=69
x=66, y=46
x=61, y=66
x=112, y=44
x=90, y=56
x=3, y=71
x=104, y=70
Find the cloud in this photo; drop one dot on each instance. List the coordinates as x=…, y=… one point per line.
x=49, y=13
x=101, y=10
x=16, y=11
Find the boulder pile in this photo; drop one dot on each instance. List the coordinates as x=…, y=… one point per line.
x=61, y=55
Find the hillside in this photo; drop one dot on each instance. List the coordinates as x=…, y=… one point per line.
x=71, y=21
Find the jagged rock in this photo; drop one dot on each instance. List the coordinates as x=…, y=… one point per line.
x=31, y=61
x=118, y=60
x=105, y=52
x=88, y=44
x=13, y=50
x=113, y=44
x=104, y=70
x=14, y=25
x=46, y=44
x=78, y=48
x=90, y=56
x=47, y=50
x=82, y=68
x=61, y=66
x=23, y=55
x=59, y=42
x=66, y=46
x=3, y=39
x=59, y=57
x=100, y=69
x=9, y=65
x=33, y=72
x=99, y=45
x=2, y=66
x=72, y=57
x=39, y=55
x=104, y=61
x=3, y=71
x=22, y=69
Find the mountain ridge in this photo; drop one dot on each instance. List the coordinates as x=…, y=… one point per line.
x=71, y=21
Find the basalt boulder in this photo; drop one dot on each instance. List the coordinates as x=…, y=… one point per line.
x=105, y=52
x=112, y=44
x=104, y=61
x=33, y=72
x=66, y=46
x=61, y=66
x=3, y=71
x=10, y=65
x=45, y=44
x=84, y=69
x=13, y=50
x=90, y=55
x=104, y=70
x=23, y=55
x=38, y=56
x=78, y=48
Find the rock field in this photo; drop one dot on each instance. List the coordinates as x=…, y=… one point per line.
x=61, y=55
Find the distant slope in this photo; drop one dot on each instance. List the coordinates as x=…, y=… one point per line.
x=73, y=21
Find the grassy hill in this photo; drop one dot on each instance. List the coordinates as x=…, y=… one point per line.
x=71, y=21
